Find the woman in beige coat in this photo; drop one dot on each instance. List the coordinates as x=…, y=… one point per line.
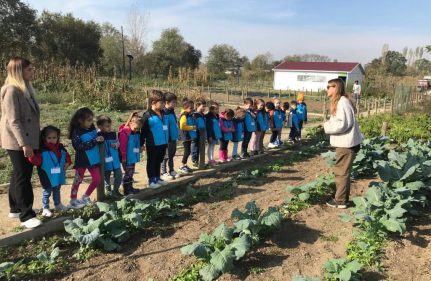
x=19, y=135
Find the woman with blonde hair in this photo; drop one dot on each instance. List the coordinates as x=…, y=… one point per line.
x=19, y=135
x=345, y=136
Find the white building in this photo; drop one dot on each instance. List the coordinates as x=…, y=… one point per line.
x=313, y=76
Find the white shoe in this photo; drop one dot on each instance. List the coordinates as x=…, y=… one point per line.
x=75, y=204
x=61, y=207
x=46, y=213
x=167, y=177
x=272, y=145
x=14, y=215
x=161, y=182
x=175, y=175
x=154, y=185
x=31, y=223
x=85, y=200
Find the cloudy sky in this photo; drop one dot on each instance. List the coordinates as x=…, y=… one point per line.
x=343, y=30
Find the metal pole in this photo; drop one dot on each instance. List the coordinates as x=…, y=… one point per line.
x=124, y=55
x=101, y=186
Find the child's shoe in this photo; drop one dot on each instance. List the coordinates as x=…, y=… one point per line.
x=31, y=223
x=60, y=207
x=174, y=175
x=86, y=200
x=115, y=194
x=154, y=185
x=272, y=145
x=75, y=204
x=212, y=163
x=167, y=177
x=161, y=182
x=245, y=155
x=236, y=157
x=195, y=164
x=184, y=170
x=46, y=213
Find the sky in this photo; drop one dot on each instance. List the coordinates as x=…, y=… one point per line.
x=349, y=31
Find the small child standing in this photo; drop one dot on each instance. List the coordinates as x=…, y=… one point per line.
x=85, y=141
x=199, y=117
x=301, y=110
x=238, y=134
x=250, y=126
x=112, y=156
x=155, y=135
x=170, y=120
x=130, y=150
x=227, y=129
x=293, y=122
x=261, y=127
x=280, y=117
x=276, y=123
x=52, y=161
x=214, y=133
x=188, y=134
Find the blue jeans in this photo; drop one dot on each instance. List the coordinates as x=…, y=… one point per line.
x=55, y=196
x=195, y=150
x=118, y=177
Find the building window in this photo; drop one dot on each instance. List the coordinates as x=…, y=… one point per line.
x=311, y=78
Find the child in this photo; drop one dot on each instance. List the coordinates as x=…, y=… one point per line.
x=279, y=119
x=52, y=161
x=112, y=156
x=250, y=126
x=266, y=126
x=188, y=133
x=261, y=127
x=199, y=117
x=155, y=135
x=293, y=122
x=276, y=122
x=238, y=134
x=130, y=150
x=227, y=129
x=172, y=123
x=85, y=141
x=213, y=131
x=301, y=110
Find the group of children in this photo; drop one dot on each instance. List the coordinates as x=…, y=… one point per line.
x=157, y=132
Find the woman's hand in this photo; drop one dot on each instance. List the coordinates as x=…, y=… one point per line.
x=28, y=151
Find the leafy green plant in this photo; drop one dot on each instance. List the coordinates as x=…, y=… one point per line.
x=8, y=269
x=189, y=274
x=46, y=263
x=367, y=247
x=341, y=269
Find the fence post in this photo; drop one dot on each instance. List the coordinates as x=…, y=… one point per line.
x=384, y=129
x=368, y=108
x=384, y=105
x=101, y=186
x=209, y=92
x=377, y=102
x=202, y=139
x=392, y=106
x=227, y=93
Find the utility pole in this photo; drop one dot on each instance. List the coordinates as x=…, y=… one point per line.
x=123, y=73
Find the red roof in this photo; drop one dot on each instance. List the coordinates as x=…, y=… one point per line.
x=317, y=66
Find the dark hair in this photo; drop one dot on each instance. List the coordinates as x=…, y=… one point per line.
x=270, y=105
x=156, y=96
x=248, y=101
x=170, y=97
x=102, y=120
x=187, y=103
x=286, y=105
x=199, y=102
x=213, y=105
x=294, y=102
x=47, y=130
x=79, y=115
x=229, y=113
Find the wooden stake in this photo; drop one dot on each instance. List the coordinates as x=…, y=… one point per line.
x=101, y=187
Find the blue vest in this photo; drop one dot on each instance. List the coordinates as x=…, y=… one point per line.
x=200, y=121
x=93, y=154
x=112, y=156
x=301, y=110
x=159, y=130
x=133, y=146
x=189, y=135
x=266, y=120
x=170, y=120
x=278, y=119
x=227, y=124
x=262, y=121
x=53, y=168
x=238, y=135
x=216, y=128
x=250, y=123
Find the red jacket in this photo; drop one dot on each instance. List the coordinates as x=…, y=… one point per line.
x=36, y=159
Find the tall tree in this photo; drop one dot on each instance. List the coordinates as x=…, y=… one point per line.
x=222, y=58
x=395, y=63
x=111, y=44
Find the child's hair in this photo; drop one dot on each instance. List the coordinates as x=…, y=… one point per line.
x=270, y=105
x=301, y=96
x=199, y=102
x=47, y=130
x=294, y=102
x=79, y=115
x=134, y=117
x=156, y=96
x=170, y=97
x=286, y=105
x=258, y=101
x=102, y=120
x=239, y=110
x=213, y=105
x=229, y=113
x=248, y=101
x=274, y=99
x=187, y=103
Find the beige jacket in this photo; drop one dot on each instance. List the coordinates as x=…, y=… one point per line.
x=20, y=120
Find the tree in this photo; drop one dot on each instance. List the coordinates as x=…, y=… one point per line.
x=423, y=66
x=68, y=39
x=262, y=62
x=18, y=28
x=222, y=58
x=111, y=44
x=395, y=63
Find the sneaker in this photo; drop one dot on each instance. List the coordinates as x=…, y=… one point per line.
x=236, y=157
x=167, y=177
x=46, y=213
x=195, y=164
x=154, y=185
x=245, y=156
x=183, y=170
x=61, y=207
x=272, y=145
x=86, y=200
x=14, y=215
x=333, y=204
x=174, y=174
x=115, y=194
x=161, y=182
x=130, y=190
x=212, y=163
x=75, y=204
x=31, y=223
x=254, y=153
x=189, y=169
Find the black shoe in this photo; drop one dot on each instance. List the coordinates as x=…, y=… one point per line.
x=254, y=153
x=334, y=204
x=245, y=155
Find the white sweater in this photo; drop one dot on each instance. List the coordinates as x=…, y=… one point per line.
x=343, y=127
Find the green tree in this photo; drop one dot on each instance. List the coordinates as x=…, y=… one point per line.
x=222, y=58
x=262, y=62
x=111, y=44
x=395, y=63
x=423, y=66
x=18, y=28
x=66, y=38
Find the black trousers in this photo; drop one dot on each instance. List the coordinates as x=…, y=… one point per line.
x=155, y=155
x=224, y=144
x=20, y=190
x=245, y=141
x=301, y=123
x=274, y=135
x=187, y=150
x=195, y=149
x=168, y=160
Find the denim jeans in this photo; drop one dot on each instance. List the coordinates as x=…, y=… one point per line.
x=46, y=193
x=118, y=177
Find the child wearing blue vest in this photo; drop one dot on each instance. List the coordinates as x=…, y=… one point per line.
x=266, y=124
x=238, y=134
x=199, y=117
x=129, y=137
x=213, y=131
x=52, y=161
x=227, y=129
x=188, y=133
x=281, y=114
x=172, y=122
x=86, y=142
x=112, y=156
x=276, y=123
x=301, y=110
x=293, y=123
x=155, y=137
x=261, y=127
x=250, y=126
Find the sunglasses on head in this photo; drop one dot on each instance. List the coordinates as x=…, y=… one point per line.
x=329, y=86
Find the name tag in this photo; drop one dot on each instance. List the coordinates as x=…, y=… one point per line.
x=280, y=117
x=252, y=123
x=136, y=150
x=109, y=159
x=55, y=170
x=165, y=128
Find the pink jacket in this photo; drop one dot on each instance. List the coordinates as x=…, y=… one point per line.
x=224, y=129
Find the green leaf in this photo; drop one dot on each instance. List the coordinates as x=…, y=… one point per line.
x=209, y=273
x=345, y=217
x=243, y=225
x=271, y=218
x=345, y=275
x=393, y=225
x=222, y=260
x=109, y=245
x=198, y=249
x=104, y=207
x=222, y=231
x=353, y=266
x=88, y=239
x=396, y=212
x=304, y=196
x=240, y=246
x=54, y=254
